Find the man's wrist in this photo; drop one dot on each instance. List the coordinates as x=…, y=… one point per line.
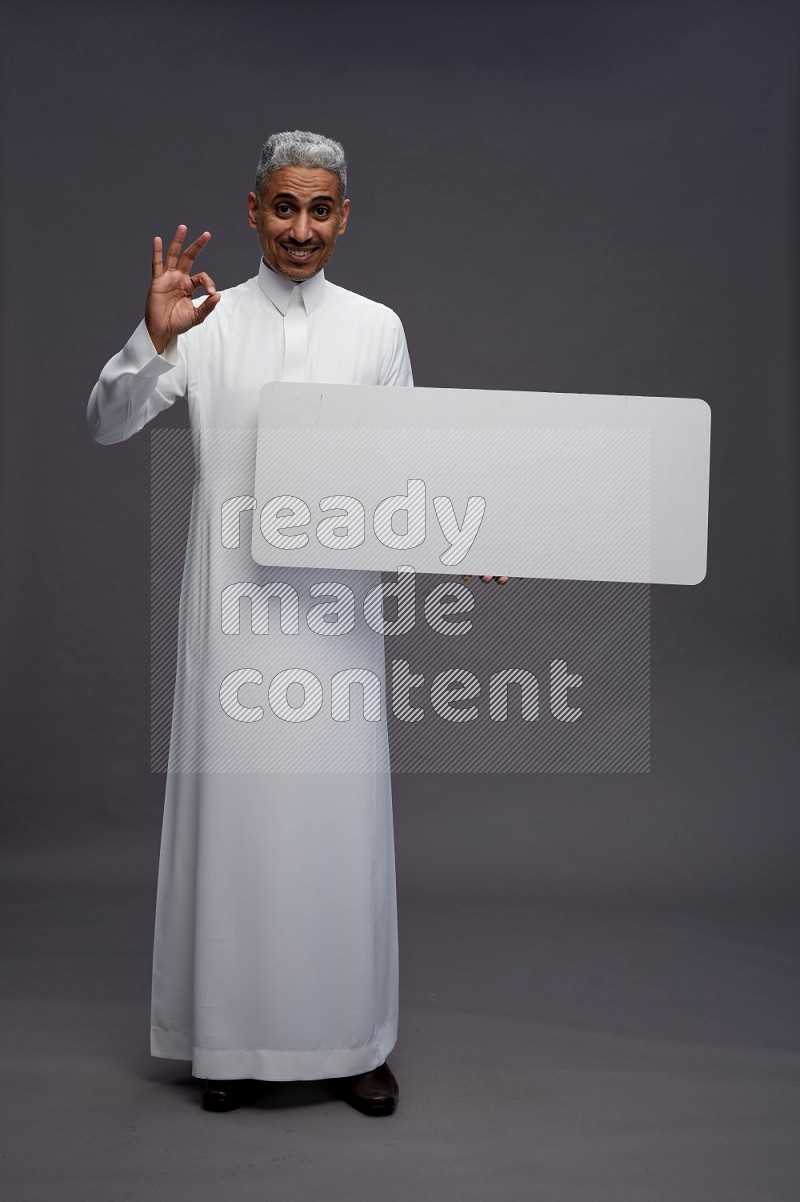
x=160, y=343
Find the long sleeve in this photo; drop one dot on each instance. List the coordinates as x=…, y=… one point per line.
x=135, y=385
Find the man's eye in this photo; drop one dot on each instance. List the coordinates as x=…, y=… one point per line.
x=322, y=210
x=282, y=209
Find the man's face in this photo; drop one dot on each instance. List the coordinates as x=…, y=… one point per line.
x=298, y=218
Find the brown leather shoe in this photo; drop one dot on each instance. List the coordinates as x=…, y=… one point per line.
x=228, y=1095
x=373, y=1093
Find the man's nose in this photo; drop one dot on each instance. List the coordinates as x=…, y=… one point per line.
x=301, y=227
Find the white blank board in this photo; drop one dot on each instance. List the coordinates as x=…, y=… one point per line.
x=548, y=485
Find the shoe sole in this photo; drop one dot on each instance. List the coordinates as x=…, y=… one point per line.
x=375, y=1107
x=218, y=1105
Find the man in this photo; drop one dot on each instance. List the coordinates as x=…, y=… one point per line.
x=275, y=950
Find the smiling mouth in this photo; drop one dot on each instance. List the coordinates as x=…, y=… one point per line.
x=300, y=254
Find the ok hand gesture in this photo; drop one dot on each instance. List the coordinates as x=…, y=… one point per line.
x=169, y=309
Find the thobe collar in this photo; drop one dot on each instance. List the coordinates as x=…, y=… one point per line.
x=278, y=289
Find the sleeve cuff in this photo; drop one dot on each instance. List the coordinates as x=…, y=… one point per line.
x=143, y=358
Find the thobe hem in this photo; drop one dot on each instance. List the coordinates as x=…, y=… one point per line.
x=263, y=1064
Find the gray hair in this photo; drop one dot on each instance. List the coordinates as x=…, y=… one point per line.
x=300, y=148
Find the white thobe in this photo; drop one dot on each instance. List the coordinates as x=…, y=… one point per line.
x=275, y=948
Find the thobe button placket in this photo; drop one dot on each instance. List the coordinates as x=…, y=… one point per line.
x=295, y=338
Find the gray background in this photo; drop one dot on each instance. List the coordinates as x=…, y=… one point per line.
x=598, y=972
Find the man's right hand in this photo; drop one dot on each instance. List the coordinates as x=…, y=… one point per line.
x=169, y=309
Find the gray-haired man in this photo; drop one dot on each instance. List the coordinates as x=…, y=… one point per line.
x=275, y=954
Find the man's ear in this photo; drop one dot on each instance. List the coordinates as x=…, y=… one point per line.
x=345, y=214
x=252, y=209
